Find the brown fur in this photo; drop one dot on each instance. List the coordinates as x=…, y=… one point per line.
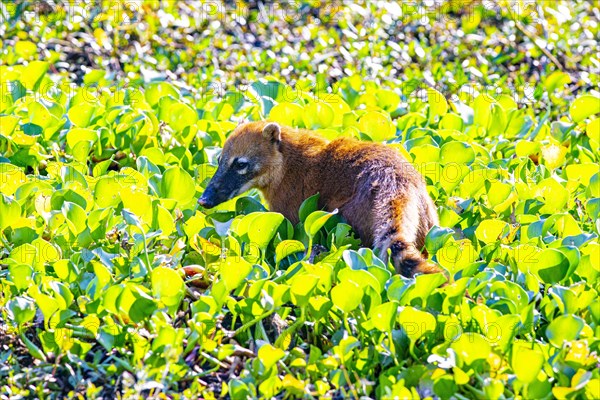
x=376, y=190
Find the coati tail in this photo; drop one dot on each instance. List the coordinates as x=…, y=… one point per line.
x=403, y=232
x=408, y=261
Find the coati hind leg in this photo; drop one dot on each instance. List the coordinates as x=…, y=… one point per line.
x=401, y=232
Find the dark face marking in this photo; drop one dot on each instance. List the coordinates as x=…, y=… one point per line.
x=230, y=180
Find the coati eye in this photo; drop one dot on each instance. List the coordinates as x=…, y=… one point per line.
x=240, y=164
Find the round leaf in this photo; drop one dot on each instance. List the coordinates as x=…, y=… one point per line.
x=167, y=285
x=264, y=227
x=470, y=347
x=346, y=295
x=377, y=125
x=269, y=355
x=22, y=310
x=564, y=328
x=583, y=107
x=491, y=230
x=177, y=184
x=526, y=362
x=457, y=152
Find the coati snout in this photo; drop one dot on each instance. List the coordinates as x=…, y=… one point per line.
x=227, y=182
x=375, y=189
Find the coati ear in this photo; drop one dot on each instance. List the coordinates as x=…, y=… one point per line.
x=272, y=131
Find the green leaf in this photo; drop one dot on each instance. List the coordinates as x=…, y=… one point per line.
x=156, y=91
x=32, y=74
x=593, y=189
x=556, y=80
x=233, y=271
x=270, y=355
x=482, y=110
x=384, y=315
x=354, y=260
x=63, y=294
x=452, y=121
x=21, y=275
x=388, y=99
x=377, y=125
x=526, y=362
x=107, y=191
x=550, y=265
x=178, y=185
x=110, y=297
x=8, y=123
x=288, y=247
x=438, y=106
x=289, y=114
x=346, y=295
x=82, y=114
x=436, y=238
x=264, y=226
x=302, y=288
x=10, y=211
x=130, y=218
x=25, y=49
x=308, y=206
x=425, y=153
x=416, y=323
x=424, y=286
x=139, y=207
x=592, y=130
x=318, y=115
x=554, y=195
x=564, y=328
x=181, y=115
x=470, y=347
x=507, y=102
x=76, y=217
x=452, y=175
x=457, y=153
x=163, y=220
x=500, y=196
x=48, y=305
x=11, y=177
x=315, y=221
x=21, y=309
x=498, y=120
x=47, y=252
x=76, y=135
x=491, y=230
x=456, y=255
x=362, y=277
x=142, y=308
x=319, y=306
x=592, y=207
x=34, y=350
x=167, y=285
x=40, y=116
x=583, y=107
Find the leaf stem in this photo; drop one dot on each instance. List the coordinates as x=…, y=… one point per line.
x=250, y=323
x=291, y=329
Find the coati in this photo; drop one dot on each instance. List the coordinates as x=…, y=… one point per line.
x=376, y=190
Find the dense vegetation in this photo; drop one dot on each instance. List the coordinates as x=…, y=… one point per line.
x=113, y=281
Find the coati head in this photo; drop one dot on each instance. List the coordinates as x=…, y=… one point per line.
x=251, y=158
